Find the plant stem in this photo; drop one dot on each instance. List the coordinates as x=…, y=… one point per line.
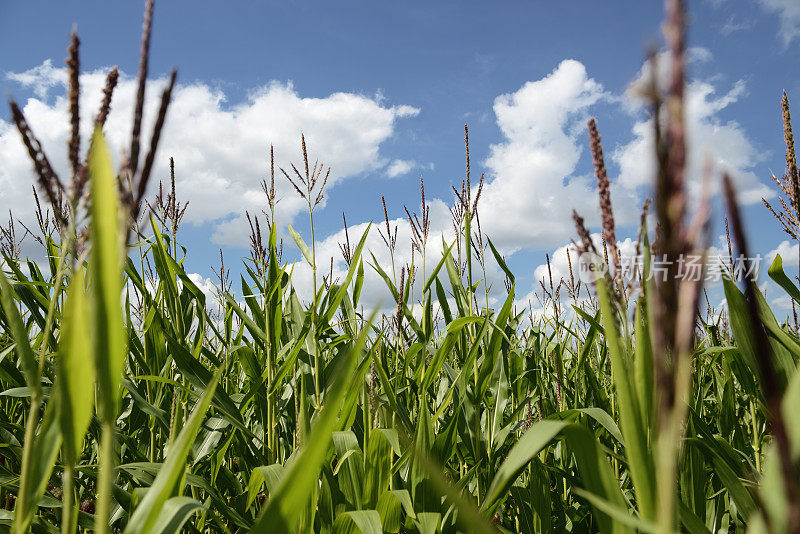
x=66, y=499
x=105, y=479
x=21, y=523
x=317, y=358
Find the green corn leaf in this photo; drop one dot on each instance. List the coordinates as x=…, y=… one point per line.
x=435, y=273
x=451, y=336
x=598, y=479
x=265, y=475
x=643, y=365
x=342, y=290
x=779, y=277
x=598, y=414
x=106, y=277
x=302, y=246
x=359, y=282
x=620, y=515
x=460, y=294
x=428, y=522
x=533, y=441
x=772, y=488
x=640, y=460
x=29, y=365
x=359, y=521
x=501, y=262
x=284, y=510
x=201, y=378
x=145, y=518
x=378, y=466
x=175, y=513
x=693, y=524
x=75, y=370
x=389, y=509
x=34, y=481
x=744, y=501
x=790, y=402
x=350, y=467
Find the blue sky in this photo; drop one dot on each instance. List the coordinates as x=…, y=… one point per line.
x=382, y=87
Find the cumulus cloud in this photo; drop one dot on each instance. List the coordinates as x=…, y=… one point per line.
x=41, y=78
x=789, y=254
x=220, y=148
x=532, y=180
x=726, y=142
x=533, y=175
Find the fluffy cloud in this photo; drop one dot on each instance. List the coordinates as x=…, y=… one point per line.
x=220, y=148
x=534, y=180
x=726, y=142
x=532, y=186
x=789, y=255
x=206, y=285
x=399, y=167
x=534, y=177
x=527, y=198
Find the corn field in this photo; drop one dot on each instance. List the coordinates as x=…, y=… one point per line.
x=134, y=402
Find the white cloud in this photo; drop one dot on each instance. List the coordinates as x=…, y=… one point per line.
x=532, y=186
x=726, y=142
x=206, y=285
x=220, y=148
x=533, y=180
x=789, y=255
x=788, y=12
x=41, y=78
x=698, y=54
x=535, y=183
x=399, y=167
